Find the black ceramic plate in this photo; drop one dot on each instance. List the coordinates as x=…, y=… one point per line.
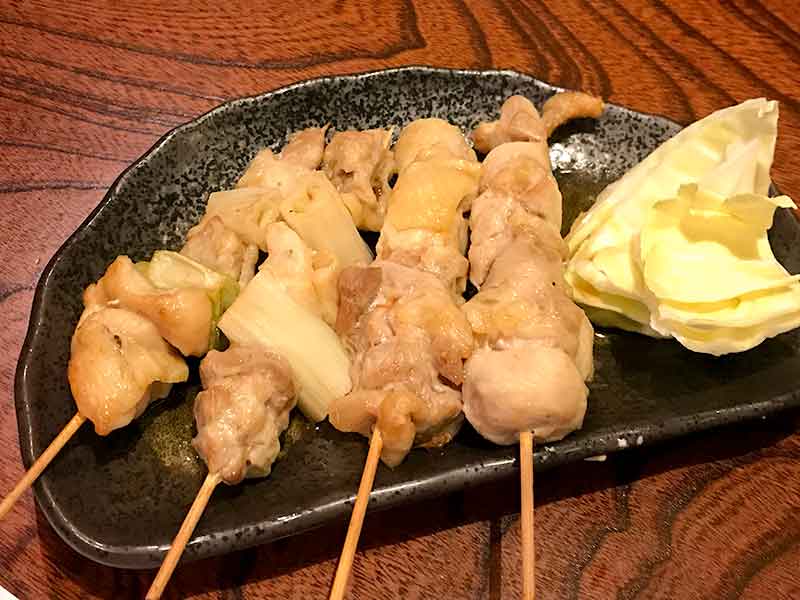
x=120, y=499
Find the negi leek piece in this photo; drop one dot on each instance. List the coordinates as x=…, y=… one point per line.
x=264, y=314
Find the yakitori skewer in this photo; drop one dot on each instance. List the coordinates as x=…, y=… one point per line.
x=527, y=376
x=401, y=315
x=277, y=325
x=137, y=321
x=118, y=364
x=278, y=335
x=245, y=405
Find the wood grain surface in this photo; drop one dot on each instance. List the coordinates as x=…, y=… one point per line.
x=87, y=87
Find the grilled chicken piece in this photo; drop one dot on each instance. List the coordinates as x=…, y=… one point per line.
x=409, y=341
x=359, y=164
x=183, y=316
x=524, y=299
x=520, y=122
x=425, y=228
x=526, y=387
x=268, y=170
x=302, y=153
x=521, y=170
x=491, y=233
x=566, y=106
x=423, y=140
x=118, y=365
x=535, y=344
x=401, y=393
x=242, y=411
x=517, y=194
x=427, y=251
x=212, y=244
x=388, y=300
x=305, y=148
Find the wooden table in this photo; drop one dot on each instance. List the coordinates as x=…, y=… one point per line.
x=87, y=89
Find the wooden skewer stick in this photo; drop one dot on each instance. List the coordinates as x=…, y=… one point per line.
x=41, y=463
x=357, y=518
x=184, y=533
x=526, y=512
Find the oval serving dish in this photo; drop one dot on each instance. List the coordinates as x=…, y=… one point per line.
x=119, y=499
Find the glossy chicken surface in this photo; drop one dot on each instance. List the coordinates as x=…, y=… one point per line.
x=429, y=139
x=305, y=148
x=408, y=340
x=118, y=364
x=519, y=122
x=425, y=227
x=565, y=106
x=183, y=316
x=244, y=406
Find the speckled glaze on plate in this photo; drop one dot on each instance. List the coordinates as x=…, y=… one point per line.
x=120, y=499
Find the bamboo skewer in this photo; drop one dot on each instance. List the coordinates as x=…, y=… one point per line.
x=357, y=518
x=526, y=513
x=41, y=463
x=184, y=533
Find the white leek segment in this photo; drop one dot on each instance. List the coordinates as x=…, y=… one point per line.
x=264, y=314
x=309, y=203
x=247, y=211
x=315, y=210
x=729, y=152
x=167, y=270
